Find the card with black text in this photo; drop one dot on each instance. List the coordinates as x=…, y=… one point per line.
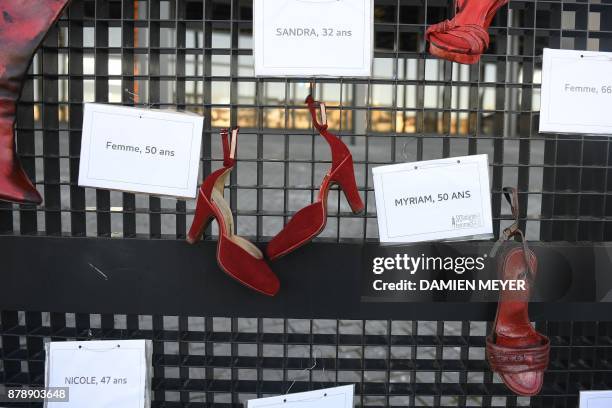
x=139, y=150
x=313, y=37
x=434, y=200
x=576, y=92
x=100, y=374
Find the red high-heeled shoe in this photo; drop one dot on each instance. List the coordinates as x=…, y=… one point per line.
x=310, y=221
x=236, y=256
x=23, y=25
x=465, y=37
x=515, y=350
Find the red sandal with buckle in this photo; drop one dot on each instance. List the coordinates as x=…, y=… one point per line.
x=236, y=256
x=515, y=350
x=464, y=38
x=23, y=25
x=310, y=221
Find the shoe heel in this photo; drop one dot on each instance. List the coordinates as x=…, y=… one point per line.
x=203, y=215
x=345, y=178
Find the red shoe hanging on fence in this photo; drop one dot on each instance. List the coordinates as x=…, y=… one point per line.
x=514, y=349
x=310, y=221
x=23, y=25
x=464, y=38
x=236, y=256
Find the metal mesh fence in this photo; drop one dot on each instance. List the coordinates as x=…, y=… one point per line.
x=206, y=362
x=197, y=56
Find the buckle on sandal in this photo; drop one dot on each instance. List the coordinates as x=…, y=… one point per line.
x=510, y=231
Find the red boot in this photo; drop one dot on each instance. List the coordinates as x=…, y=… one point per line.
x=23, y=25
x=310, y=221
x=465, y=37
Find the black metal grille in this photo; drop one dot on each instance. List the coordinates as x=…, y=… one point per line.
x=223, y=362
x=196, y=55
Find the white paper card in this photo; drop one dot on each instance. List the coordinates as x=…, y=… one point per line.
x=313, y=37
x=576, y=92
x=595, y=399
x=140, y=150
x=434, y=200
x=338, y=397
x=100, y=374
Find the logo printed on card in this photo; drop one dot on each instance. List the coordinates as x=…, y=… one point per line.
x=465, y=221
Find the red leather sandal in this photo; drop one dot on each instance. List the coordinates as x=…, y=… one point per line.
x=515, y=350
x=23, y=25
x=465, y=37
x=236, y=256
x=310, y=221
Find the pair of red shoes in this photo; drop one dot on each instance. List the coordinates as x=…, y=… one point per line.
x=238, y=257
x=464, y=38
x=514, y=349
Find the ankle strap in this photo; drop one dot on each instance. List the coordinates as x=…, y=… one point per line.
x=229, y=146
x=229, y=153
x=513, y=231
x=339, y=150
x=312, y=106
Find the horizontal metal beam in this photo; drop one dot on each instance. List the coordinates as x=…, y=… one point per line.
x=163, y=277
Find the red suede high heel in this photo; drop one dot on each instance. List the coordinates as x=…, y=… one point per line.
x=310, y=221
x=515, y=350
x=465, y=37
x=23, y=25
x=236, y=256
